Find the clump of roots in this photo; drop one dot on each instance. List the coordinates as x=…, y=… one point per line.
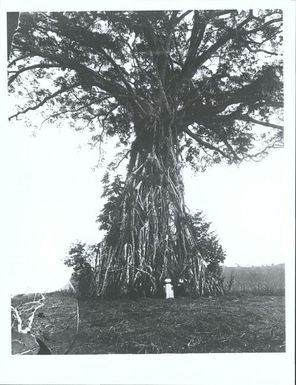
x=153, y=236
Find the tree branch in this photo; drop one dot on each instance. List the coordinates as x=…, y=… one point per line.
x=74, y=110
x=181, y=17
x=247, y=44
x=93, y=77
x=10, y=64
x=46, y=99
x=205, y=144
x=35, y=66
x=199, y=60
x=90, y=40
x=195, y=39
x=248, y=118
x=251, y=31
x=121, y=160
x=159, y=54
x=230, y=148
x=260, y=154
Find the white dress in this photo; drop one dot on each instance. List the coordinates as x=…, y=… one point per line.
x=169, y=290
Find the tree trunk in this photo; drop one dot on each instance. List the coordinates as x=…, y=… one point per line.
x=12, y=22
x=154, y=240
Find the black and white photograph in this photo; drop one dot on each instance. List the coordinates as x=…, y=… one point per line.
x=148, y=195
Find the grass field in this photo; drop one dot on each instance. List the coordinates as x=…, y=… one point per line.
x=258, y=280
x=244, y=323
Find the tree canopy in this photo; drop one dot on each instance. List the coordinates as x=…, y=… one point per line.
x=217, y=72
x=176, y=87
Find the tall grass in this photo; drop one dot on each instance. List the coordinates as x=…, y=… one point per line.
x=257, y=280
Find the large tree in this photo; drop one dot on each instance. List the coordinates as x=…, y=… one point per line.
x=196, y=87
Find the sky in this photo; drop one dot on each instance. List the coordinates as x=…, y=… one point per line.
x=52, y=196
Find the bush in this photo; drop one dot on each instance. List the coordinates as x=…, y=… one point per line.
x=79, y=258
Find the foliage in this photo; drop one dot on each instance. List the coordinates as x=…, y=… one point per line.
x=208, y=244
x=113, y=191
x=214, y=72
x=79, y=258
x=194, y=87
x=206, y=241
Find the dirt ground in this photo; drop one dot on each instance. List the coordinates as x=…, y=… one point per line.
x=55, y=323
x=204, y=325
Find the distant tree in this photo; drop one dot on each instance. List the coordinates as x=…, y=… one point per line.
x=108, y=219
x=190, y=87
x=208, y=244
x=80, y=258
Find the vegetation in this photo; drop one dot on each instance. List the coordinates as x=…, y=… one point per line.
x=259, y=280
x=87, y=260
x=80, y=258
x=176, y=88
x=225, y=324
x=248, y=318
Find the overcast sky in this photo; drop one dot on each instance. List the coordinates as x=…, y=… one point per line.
x=52, y=197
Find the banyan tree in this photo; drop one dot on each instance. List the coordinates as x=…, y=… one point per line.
x=194, y=87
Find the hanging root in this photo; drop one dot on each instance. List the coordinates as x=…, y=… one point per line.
x=155, y=236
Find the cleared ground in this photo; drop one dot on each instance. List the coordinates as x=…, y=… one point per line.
x=224, y=324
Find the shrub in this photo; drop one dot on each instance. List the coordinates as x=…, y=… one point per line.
x=79, y=258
